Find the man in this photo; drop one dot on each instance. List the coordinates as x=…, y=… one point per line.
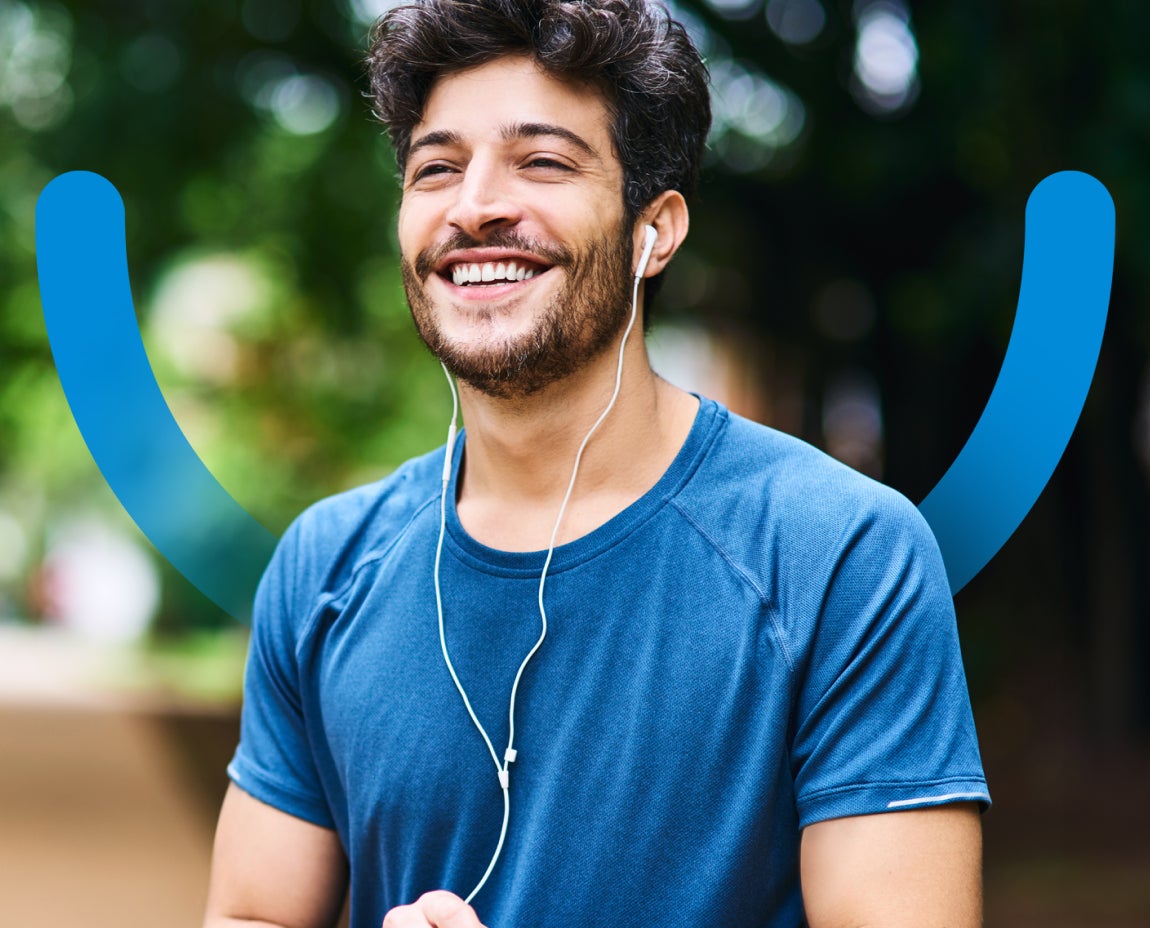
x=706, y=675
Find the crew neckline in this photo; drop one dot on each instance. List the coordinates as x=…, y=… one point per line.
x=708, y=418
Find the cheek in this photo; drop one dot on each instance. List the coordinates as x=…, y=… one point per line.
x=410, y=248
x=403, y=225
x=412, y=223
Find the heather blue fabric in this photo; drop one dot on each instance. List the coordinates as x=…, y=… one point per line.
x=766, y=639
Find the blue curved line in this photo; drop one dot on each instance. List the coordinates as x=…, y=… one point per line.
x=997, y=477
x=207, y=536
x=83, y=269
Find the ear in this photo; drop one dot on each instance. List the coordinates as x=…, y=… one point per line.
x=668, y=214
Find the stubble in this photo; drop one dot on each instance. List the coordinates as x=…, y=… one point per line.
x=577, y=325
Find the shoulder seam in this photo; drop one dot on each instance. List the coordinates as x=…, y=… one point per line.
x=326, y=598
x=744, y=575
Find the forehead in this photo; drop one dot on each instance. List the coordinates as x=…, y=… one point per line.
x=477, y=102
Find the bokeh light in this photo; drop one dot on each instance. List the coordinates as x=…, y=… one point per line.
x=885, y=58
x=755, y=117
x=735, y=9
x=35, y=55
x=852, y=421
x=796, y=22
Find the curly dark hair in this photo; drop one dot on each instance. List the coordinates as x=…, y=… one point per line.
x=652, y=78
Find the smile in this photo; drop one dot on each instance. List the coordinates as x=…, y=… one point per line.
x=465, y=275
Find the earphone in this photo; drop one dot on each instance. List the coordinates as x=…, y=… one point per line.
x=649, y=237
x=510, y=754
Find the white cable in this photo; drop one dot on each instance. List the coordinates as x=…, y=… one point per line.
x=502, y=770
x=563, y=509
x=509, y=755
x=438, y=557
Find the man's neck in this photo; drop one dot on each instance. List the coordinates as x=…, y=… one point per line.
x=520, y=452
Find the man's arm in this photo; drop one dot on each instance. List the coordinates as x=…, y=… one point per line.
x=919, y=868
x=273, y=870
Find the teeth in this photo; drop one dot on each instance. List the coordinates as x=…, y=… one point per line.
x=462, y=274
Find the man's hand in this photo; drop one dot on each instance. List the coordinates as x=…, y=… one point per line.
x=439, y=909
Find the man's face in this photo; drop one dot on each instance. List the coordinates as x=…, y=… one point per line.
x=516, y=257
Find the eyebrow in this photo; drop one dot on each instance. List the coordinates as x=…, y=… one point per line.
x=439, y=137
x=519, y=130
x=528, y=130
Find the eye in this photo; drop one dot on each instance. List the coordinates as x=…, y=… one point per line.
x=430, y=170
x=547, y=163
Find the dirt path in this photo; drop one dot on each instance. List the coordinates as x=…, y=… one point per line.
x=97, y=826
x=107, y=809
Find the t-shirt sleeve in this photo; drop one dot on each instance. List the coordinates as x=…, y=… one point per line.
x=882, y=713
x=274, y=760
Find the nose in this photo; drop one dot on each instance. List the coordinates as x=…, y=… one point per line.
x=484, y=200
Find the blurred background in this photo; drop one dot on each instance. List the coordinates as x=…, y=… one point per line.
x=851, y=277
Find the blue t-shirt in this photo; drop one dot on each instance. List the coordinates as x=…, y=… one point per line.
x=766, y=639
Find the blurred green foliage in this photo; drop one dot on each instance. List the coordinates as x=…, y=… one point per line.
x=237, y=134
x=247, y=161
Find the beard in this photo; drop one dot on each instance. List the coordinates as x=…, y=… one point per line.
x=578, y=323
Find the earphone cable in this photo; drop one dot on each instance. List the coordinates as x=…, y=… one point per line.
x=438, y=557
x=563, y=510
x=510, y=753
x=502, y=771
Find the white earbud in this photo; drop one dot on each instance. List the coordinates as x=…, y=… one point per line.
x=648, y=245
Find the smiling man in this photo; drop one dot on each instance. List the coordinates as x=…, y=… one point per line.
x=613, y=654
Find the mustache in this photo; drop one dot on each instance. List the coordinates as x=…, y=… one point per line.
x=427, y=260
